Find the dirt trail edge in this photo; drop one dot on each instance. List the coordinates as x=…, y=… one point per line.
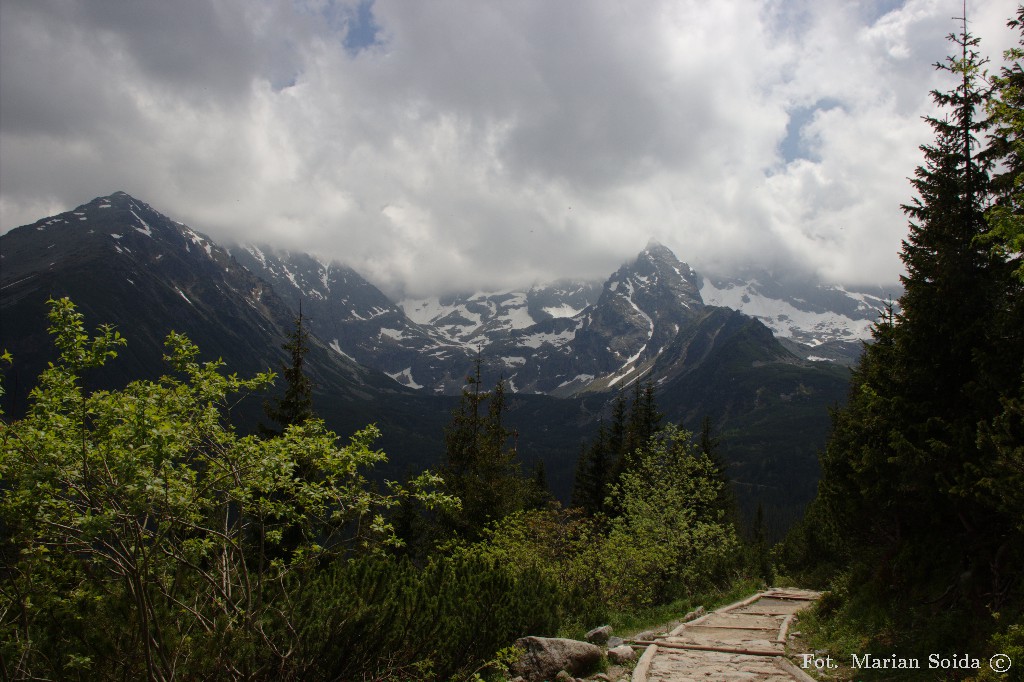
x=742, y=641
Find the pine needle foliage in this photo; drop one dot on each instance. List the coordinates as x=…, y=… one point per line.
x=613, y=452
x=1005, y=107
x=403, y=622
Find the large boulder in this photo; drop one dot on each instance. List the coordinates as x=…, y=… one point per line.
x=544, y=657
x=599, y=635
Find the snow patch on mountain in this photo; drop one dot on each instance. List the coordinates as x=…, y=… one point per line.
x=256, y=253
x=581, y=379
x=425, y=310
x=556, y=339
x=405, y=378
x=564, y=310
x=337, y=349
x=145, y=229
x=794, y=318
x=504, y=318
x=515, y=315
x=629, y=299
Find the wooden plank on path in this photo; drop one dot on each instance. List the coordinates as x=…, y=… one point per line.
x=726, y=626
x=644, y=664
x=784, y=630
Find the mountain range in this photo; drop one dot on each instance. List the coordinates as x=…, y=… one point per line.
x=563, y=338
x=762, y=357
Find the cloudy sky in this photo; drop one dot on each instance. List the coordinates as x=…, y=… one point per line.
x=460, y=144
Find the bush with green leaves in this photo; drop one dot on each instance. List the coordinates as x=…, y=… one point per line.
x=563, y=547
x=671, y=537
x=143, y=538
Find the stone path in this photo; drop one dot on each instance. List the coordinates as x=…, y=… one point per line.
x=742, y=641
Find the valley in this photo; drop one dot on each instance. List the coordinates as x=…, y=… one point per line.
x=716, y=348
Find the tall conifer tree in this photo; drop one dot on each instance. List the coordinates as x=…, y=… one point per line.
x=643, y=421
x=481, y=467
x=593, y=471
x=1006, y=109
x=903, y=471
x=614, y=450
x=296, y=405
x=708, y=443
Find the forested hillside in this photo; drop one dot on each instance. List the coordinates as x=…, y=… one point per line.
x=126, y=264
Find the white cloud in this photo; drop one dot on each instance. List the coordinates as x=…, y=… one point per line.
x=487, y=144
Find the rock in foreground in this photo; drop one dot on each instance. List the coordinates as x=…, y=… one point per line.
x=545, y=657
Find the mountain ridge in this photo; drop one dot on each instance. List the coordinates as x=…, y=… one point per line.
x=125, y=263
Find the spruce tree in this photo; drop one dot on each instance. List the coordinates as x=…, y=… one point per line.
x=903, y=475
x=953, y=367
x=617, y=436
x=708, y=444
x=1006, y=140
x=1000, y=476
x=593, y=474
x=481, y=467
x=296, y=405
x=538, y=492
x=863, y=487
x=615, y=450
x=643, y=422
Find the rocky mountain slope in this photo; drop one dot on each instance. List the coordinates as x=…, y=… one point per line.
x=559, y=339
x=400, y=365
x=647, y=322
x=128, y=265
x=359, y=322
x=125, y=264
x=819, y=322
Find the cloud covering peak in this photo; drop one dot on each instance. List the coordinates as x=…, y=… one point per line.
x=458, y=145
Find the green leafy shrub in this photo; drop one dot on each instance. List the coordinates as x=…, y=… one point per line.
x=561, y=545
x=1009, y=643
x=671, y=537
x=142, y=538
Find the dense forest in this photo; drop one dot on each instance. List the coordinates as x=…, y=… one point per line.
x=918, y=525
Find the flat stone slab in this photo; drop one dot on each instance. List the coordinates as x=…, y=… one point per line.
x=790, y=593
x=680, y=666
x=772, y=606
x=738, y=620
x=755, y=639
